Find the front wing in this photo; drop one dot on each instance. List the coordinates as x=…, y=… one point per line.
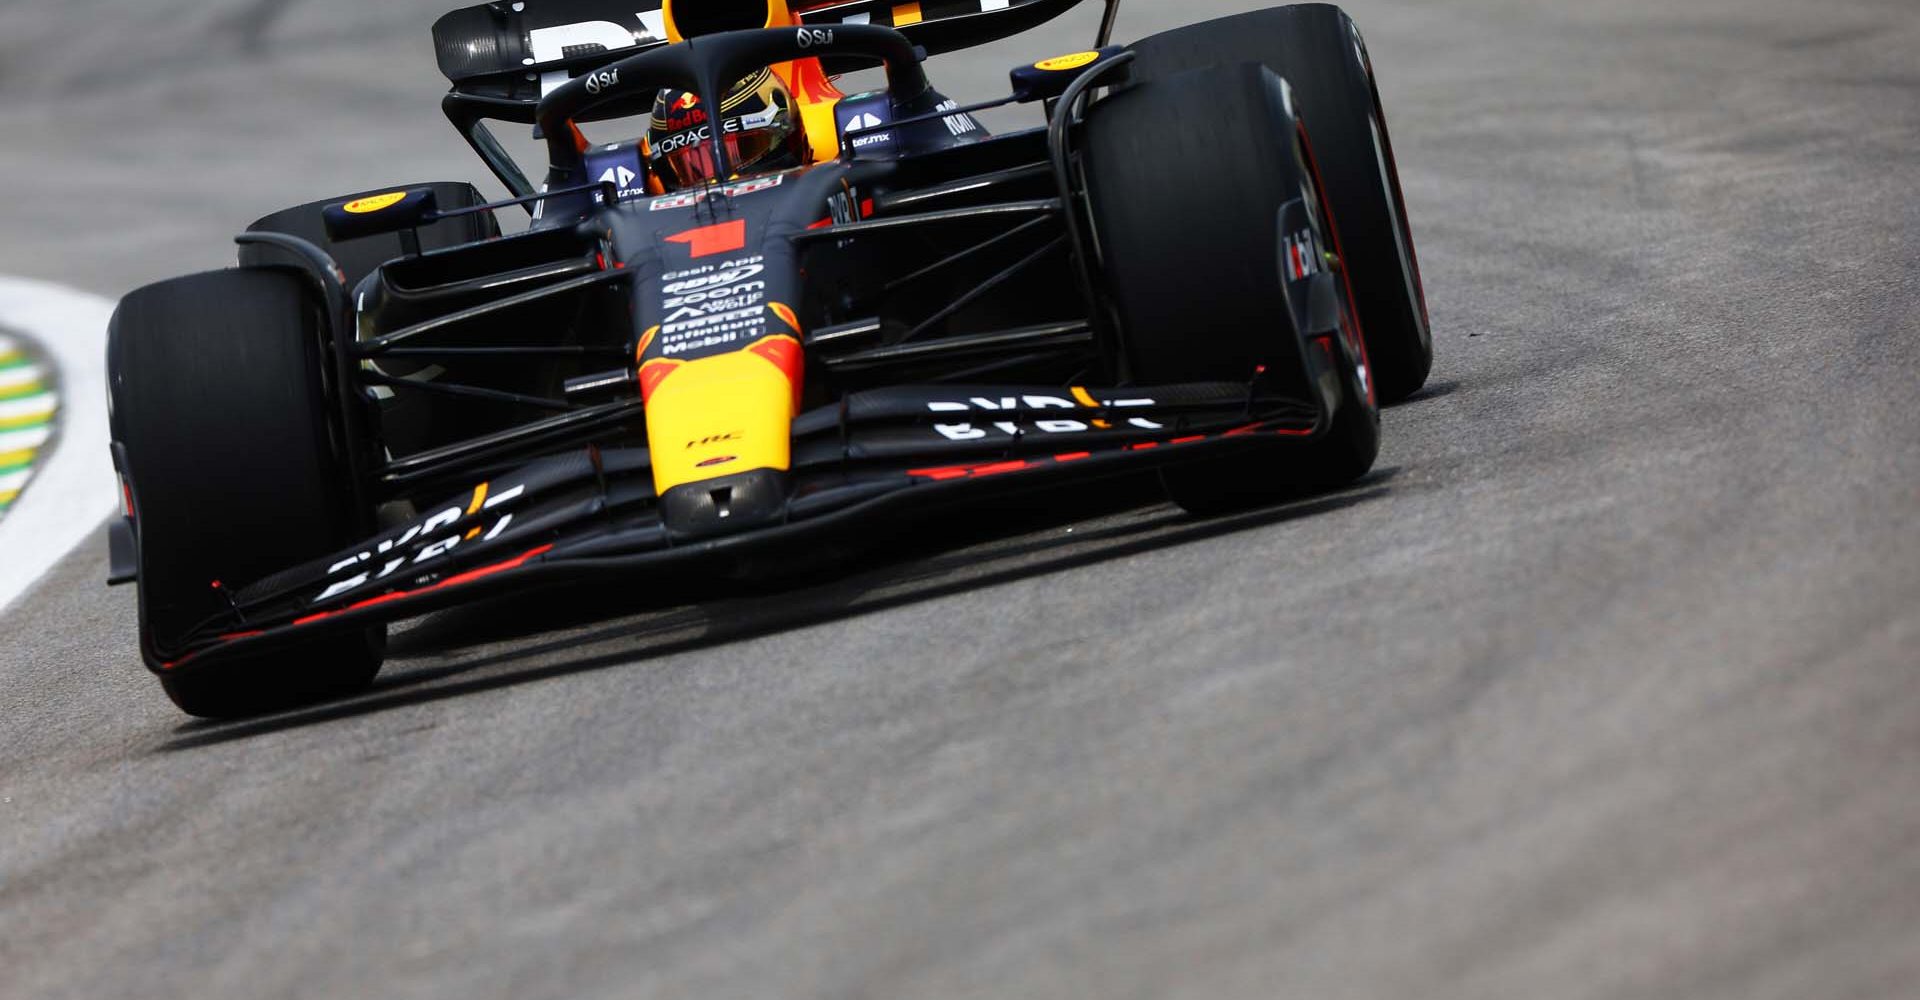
x=593, y=512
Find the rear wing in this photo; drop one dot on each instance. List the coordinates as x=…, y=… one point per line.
x=506, y=56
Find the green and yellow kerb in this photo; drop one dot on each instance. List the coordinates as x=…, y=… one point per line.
x=27, y=409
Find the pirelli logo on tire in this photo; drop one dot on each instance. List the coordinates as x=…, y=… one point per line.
x=27, y=409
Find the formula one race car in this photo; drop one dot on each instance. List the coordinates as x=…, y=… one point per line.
x=763, y=315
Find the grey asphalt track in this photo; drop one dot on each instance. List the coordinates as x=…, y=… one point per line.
x=1605, y=686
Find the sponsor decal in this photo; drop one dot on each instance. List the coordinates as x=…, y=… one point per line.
x=1304, y=258
x=698, y=279
x=717, y=462
x=683, y=115
x=622, y=178
x=1026, y=406
x=695, y=319
x=692, y=330
x=707, y=342
x=375, y=203
x=736, y=298
x=681, y=140
x=688, y=199
x=810, y=37
x=690, y=135
x=712, y=305
x=392, y=555
x=861, y=128
x=600, y=81
x=619, y=165
x=972, y=432
x=699, y=270
x=959, y=125
x=1060, y=64
x=862, y=122
x=844, y=206
x=1035, y=402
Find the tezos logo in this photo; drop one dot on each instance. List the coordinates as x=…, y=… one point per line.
x=602, y=80
x=810, y=37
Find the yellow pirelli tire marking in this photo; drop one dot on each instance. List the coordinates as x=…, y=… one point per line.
x=27, y=410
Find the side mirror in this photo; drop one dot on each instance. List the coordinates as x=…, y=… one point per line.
x=1049, y=78
x=393, y=212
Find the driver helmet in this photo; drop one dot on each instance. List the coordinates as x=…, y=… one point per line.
x=757, y=125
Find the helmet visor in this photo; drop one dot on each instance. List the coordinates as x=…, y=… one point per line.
x=693, y=164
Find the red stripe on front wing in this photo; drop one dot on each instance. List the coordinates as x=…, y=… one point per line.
x=453, y=581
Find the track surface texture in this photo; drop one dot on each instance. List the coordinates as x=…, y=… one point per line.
x=1604, y=686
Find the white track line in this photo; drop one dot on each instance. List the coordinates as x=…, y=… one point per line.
x=73, y=488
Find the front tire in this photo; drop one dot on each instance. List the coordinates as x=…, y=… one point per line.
x=1317, y=48
x=1195, y=271
x=235, y=472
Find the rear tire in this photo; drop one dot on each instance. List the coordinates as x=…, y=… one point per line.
x=358, y=258
x=235, y=472
x=1196, y=275
x=1319, y=51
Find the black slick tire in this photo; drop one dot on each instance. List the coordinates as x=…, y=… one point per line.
x=1195, y=271
x=235, y=471
x=1318, y=50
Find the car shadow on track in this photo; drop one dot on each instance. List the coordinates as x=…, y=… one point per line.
x=1436, y=389
x=570, y=630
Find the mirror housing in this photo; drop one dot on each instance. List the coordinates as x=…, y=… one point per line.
x=1049, y=78
x=392, y=212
